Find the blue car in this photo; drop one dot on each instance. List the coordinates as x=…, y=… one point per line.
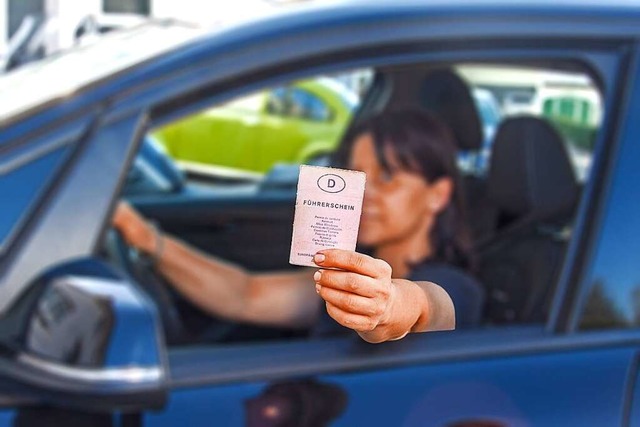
x=91, y=334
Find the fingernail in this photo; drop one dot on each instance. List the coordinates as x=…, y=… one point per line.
x=318, y=287
x=317, y=275
x=319, y=258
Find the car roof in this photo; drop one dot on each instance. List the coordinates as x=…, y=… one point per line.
x=305, y=17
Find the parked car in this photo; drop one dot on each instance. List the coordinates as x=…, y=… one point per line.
x=90, y=334
x=291, y=124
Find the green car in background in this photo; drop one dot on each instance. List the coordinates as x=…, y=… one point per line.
x=310, y=116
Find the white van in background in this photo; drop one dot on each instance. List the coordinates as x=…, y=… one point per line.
x=568, y=100
x=529, y=91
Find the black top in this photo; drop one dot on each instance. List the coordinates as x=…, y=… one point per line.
x=466, y=293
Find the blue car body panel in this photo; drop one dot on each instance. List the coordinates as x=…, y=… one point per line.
x=519, y=391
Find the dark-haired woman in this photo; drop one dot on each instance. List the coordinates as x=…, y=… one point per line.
x=413, y=214
x=412, y=226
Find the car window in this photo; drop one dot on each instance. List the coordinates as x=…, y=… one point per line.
x=307, y=106
x=278, y=102
x=237, y=204
x=555, y=115
x=296, y=103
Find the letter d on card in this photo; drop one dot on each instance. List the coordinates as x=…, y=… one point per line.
x=328, y=208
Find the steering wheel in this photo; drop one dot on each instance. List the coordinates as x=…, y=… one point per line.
x=143, y=274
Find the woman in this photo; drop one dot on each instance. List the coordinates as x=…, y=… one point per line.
x=411, y=214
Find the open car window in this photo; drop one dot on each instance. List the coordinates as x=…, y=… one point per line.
x=224, y=180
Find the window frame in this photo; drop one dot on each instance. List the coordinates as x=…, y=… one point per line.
x=537, y=336
x=50, y=224
x=14, y=163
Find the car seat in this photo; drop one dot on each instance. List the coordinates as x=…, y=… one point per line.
x=446, y=95
x=532, y=185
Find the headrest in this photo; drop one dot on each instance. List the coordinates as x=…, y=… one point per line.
x=446, y=95
x=530, y=173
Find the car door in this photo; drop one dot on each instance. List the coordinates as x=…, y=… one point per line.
x=519, y=375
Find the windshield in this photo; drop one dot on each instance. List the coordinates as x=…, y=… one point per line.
x=63, y=74
x=347, y=96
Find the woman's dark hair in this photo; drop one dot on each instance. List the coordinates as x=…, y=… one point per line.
x=424, y=145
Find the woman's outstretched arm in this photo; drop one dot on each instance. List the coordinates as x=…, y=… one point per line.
x=358, y=290
x=363, y=296
x=222, y=288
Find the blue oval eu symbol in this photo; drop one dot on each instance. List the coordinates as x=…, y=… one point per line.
x=331, y=183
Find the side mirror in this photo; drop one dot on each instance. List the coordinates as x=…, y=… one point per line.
x=91, y=340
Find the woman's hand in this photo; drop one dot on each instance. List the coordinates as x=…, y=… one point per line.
x=363, y=296
x=135, y=230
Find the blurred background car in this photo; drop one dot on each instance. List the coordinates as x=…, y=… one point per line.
x=300, y=123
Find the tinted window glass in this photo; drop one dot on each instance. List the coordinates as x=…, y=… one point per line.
x=278, y=103
x=297, y=103
x=22, y=187
x=305, y=105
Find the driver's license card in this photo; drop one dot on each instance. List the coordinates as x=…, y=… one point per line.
x=328, y=208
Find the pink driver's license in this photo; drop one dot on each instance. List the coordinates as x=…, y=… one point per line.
x=328, y=208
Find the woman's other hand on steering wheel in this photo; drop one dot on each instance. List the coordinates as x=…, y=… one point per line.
x=135, y=230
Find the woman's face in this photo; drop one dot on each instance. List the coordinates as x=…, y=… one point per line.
x=396, y=205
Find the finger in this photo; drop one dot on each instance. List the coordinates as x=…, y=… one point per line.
x=352, y=261
x=347, y=281
x=122, y=214
x=350, y=303
x=356, y=322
